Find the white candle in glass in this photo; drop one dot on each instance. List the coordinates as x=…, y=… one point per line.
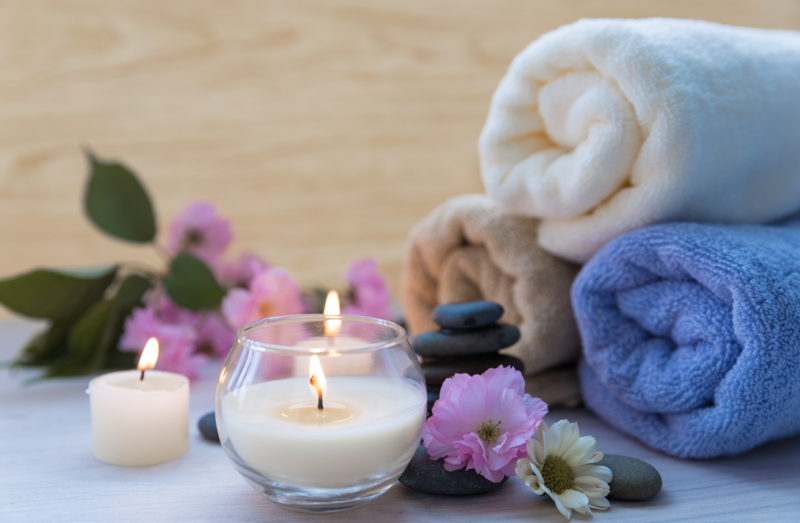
x=369, y=426
x=140, y=418
x=353, y=365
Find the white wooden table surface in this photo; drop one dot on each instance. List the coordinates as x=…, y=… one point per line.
x=48, y=473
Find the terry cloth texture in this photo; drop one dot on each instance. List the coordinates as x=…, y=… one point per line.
x=691, y=336
x=470, y=249
x=604, y=126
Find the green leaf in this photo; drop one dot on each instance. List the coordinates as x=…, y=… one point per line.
x=95, y=336
x=45, y=347
x=84, y=344
x=118, y=203
x=121, y=360
x=81, y=343
x=129, y=296
x=54, y=295
x=191, y=284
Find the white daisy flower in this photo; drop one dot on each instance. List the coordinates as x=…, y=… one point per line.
x=560, y=466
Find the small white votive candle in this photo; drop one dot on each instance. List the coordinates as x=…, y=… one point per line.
x=139, y=418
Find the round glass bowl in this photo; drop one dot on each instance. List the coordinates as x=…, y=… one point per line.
x=321, y=413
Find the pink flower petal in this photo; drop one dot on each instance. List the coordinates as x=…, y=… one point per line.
x=215, y=334
x=372, y=297
x=454, y=385
x=240, y=272
x=199, y=230
x=176, y=341
x=237, y=307
x=468, y=405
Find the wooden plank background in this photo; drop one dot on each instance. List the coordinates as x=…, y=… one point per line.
x=322, y=129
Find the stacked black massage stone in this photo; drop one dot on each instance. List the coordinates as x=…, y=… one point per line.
x=468, y=342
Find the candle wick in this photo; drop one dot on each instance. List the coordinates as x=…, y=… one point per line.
x=315, y=384
x=141, y=378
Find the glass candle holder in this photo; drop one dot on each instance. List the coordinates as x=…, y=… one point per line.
x=318, y=412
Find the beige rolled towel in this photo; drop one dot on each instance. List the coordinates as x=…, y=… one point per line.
x=469, y=249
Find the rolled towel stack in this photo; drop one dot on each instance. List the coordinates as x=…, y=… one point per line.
x=691, y=336
x=470, y=249
x=601, y=130
x=605, y=126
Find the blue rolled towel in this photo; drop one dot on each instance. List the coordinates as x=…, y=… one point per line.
x=691, y=336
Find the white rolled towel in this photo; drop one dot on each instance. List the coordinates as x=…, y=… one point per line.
x=604, y=126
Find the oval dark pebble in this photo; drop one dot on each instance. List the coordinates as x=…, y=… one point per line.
x=438, y=370
x=437, y=344
x=634, y=480
x=208, y=427
x=426, y=475
x=472, y=315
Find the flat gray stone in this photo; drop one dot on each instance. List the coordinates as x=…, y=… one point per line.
x=438, y=370
x=472, y=315
x=207, y=425
x=634, y=480
x=425, y=475
x=437, y=344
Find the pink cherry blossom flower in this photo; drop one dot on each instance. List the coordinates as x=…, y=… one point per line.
x=483, y=422
x=272, y=293
x=200, y=231
x=240, y=272
x=168, y=312
x=176, y=341
x=214, y=337
x=371, y=296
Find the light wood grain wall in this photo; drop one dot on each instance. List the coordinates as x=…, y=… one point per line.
x=323, y=129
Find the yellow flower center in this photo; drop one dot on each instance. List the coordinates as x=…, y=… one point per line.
x=265, y=309
x=488, y=430
x=557, y=474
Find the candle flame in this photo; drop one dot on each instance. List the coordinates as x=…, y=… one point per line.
x=332, y=308
x=149, y=355
x=315, y=371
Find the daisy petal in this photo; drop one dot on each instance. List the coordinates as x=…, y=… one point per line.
x=597, y=472
x=566, y=438
x=553, y=439
x=561, y=508
x=538, y=473
x=581, y=452
x=541, y=429
x=593, y=491
x=538, y=452
x=534, y=485
x=576, y=434
x=573, y=498
x=599, y=503
x=529, y=447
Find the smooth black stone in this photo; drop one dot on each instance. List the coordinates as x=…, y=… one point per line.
x=472, y=315
x=425, y=475
x=634, y=480
x=438, y=370
x=437, y=344
x=208, y=427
